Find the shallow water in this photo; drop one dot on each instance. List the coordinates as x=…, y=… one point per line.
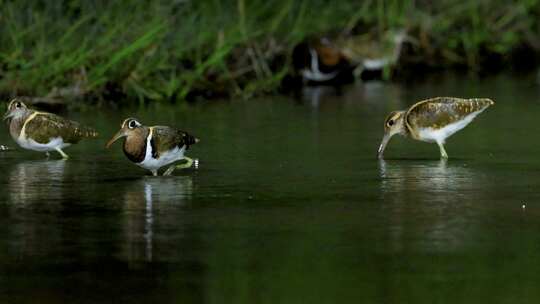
x=288, y=205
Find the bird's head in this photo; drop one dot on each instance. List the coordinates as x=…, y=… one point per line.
x=130, y=127
x=393, y=124
x=15, y=109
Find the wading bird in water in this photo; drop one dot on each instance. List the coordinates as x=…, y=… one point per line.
x=42, y=131
x=154, y=147
x=433, y=120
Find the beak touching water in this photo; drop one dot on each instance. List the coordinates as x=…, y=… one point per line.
x=384, y=142
x=116, y=137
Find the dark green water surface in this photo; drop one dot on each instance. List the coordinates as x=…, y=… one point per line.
x=288, y=205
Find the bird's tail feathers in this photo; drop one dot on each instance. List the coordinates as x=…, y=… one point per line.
x=190, y=140
x=86, y=132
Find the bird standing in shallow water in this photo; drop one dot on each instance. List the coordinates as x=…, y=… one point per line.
x=41, y=131
x=433, y=120
x=154, y=147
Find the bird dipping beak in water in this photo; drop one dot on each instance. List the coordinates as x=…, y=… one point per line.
x=433, y=120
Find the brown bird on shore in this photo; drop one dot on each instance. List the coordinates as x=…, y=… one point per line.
x=433, y=120
x=154, y=147
x=42, y=131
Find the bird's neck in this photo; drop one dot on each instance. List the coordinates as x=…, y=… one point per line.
x=404, y=129
x=17, y=122
x=135, y=145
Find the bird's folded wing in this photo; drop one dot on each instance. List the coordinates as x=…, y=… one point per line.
x=167, y=138
x=441, y=111
x=45, y=126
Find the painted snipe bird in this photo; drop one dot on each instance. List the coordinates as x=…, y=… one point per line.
x=433, y=120
x=154, y=147
x=42, y=131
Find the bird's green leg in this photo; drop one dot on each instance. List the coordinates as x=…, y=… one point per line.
x=64, y=155
x=185, y=165
x=169, y=170
x=443, y=151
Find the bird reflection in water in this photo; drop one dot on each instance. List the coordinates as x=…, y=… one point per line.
x=36, y=181
x=314, y=96
x=429, y=202
x=375, y=93
x=427, y=176
x=145, y=205
x=34, y=186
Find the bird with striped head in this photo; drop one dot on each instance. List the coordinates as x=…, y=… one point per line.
x=42, y=131
x=153, y=147
x=433, y=120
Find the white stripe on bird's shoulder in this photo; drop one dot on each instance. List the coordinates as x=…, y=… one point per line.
x=165, y=158
x=22, y=135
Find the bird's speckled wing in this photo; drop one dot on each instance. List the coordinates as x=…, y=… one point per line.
x=167, y=138
x=441, y=111
x=45, y=126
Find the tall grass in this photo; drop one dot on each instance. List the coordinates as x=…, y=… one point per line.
x=159, y=50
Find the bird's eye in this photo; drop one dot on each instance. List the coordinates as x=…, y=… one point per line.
x=132, y=124
x=18, y=105
x=390, y=122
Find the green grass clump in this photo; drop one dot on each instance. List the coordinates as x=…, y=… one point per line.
x=165, y=50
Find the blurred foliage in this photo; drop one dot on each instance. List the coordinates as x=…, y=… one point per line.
x=156, y=50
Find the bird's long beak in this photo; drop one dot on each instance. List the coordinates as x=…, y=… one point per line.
x=384, y=142
x=117, y=136
x=7, y=115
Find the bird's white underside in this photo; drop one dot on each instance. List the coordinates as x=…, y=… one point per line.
x=440, y=135
x=52, y=145
x=169, y=157
x=313, y=73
